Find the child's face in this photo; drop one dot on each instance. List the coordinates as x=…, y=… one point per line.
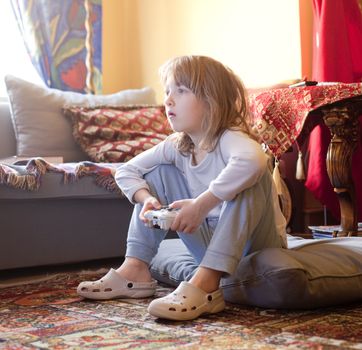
x=184, y=110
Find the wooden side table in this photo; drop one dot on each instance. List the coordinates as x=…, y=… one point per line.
x=342, y=120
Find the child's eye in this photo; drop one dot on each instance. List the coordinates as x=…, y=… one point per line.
x=181, y=90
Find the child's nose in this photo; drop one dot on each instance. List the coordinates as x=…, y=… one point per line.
x=169, y=100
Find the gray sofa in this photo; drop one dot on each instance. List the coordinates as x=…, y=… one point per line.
x=59, y=223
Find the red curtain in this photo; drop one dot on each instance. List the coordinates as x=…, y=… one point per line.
x=337, y=56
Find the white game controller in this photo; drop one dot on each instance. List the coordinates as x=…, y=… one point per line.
x=162, y=218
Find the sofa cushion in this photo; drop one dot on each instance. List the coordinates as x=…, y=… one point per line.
x=40, y=127
x=117, y=134
x=311, y=273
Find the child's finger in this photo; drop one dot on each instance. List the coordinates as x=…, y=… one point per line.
x=142, y=217
x=155, y=203
x=176, y=204
x=175, y=224
x=143, y=210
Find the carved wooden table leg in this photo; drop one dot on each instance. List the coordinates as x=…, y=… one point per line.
x=342, y=120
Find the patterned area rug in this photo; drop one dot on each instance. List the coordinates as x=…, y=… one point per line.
x=50, y=315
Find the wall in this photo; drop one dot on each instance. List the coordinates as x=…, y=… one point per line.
x=259, y=39
x=117, y=53
x=306, y=36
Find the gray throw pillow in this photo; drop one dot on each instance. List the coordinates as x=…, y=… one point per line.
x=311, y=273
x=39, y=124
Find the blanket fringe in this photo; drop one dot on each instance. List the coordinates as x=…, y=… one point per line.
x=108, y=184
x=29, y=177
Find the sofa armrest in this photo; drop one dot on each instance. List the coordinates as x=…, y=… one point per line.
x=7, y=134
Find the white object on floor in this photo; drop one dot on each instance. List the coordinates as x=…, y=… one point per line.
x=187, y=302
x=113, y=285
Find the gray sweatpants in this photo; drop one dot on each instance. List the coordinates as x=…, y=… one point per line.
x=246, y=223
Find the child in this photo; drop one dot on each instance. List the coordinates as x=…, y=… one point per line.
x=215, y=173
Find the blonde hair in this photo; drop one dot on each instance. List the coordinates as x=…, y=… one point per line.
x=222, y=91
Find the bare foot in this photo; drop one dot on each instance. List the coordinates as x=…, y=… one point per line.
x=206, y=279
x=135, y=270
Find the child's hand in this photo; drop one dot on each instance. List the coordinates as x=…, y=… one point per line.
x=150, y=203
x=189, y=218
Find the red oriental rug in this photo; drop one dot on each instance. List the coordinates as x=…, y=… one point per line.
x=50, y=315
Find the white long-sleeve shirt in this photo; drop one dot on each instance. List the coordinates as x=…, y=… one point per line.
x=237, y=163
